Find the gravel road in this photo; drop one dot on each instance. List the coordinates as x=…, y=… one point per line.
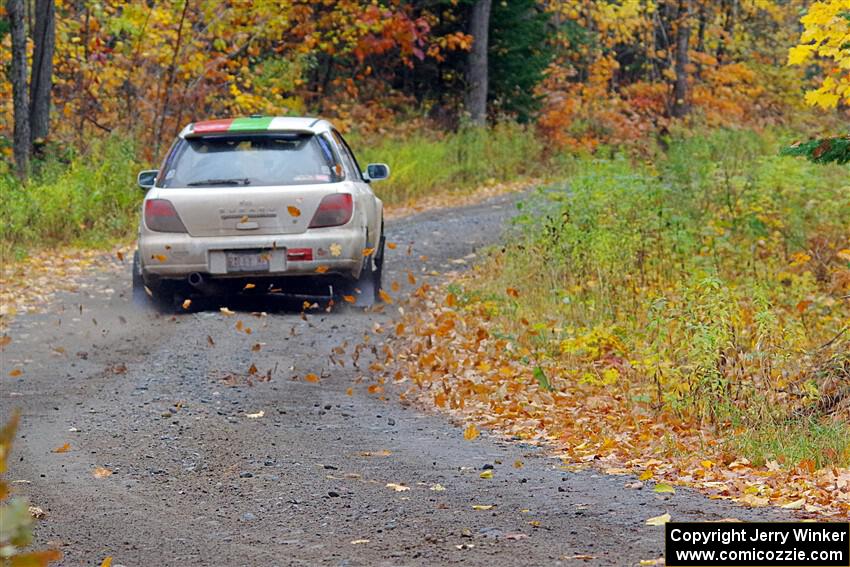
x=197, y=481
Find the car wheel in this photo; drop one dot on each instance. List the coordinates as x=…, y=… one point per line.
x=158, y=296
x=367, y=288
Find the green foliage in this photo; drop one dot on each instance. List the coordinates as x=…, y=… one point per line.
x=424, y=164
x=519, y=55
x=826, y=150
x=709, y=271
x=91, y=199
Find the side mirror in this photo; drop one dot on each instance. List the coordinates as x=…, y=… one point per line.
x=377, y=171
x=147, y=178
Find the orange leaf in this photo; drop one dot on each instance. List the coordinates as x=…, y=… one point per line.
x=375, y=389
x=14, y=373
x=321, y=269
x=368, y=251
x=187, y=303
x=512, y=292
x=349, y=298
x=4, y=340
x=411, y=280
x=391, y=245
x=385, y=296
x=160, y=257
x=395, y=286
x=101, y=472
x=311, y=378
x=471, y=432
x=294, y=211
x=349, y=392
x=249, y=286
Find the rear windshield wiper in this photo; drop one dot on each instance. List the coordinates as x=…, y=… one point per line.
x=237, y=181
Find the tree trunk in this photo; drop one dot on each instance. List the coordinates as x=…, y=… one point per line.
x=683, y=36
x=476, y=96
x=18, y=78
x=41, y=81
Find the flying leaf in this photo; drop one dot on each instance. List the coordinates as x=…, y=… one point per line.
x=159, y=257
x=335, y=249
x=368, y=252
x=321, y=269
x=187, y=303
x=294, y=211
x=391, y=245
x=349, y=298
x=249, y=285
x=386, y=297
x=471, y=432
x=658, y=520
x=226, y=311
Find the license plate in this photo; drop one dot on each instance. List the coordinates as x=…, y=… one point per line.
x=253, y=261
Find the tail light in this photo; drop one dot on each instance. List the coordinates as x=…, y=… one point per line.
x=160, y=216
x=334, y=210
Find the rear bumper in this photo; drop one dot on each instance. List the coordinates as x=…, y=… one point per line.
x=175, y=255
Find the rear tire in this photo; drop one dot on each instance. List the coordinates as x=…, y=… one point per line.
x=367, y=287
x=157, y=296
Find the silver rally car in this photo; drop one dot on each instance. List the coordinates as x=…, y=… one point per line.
x=267, y=204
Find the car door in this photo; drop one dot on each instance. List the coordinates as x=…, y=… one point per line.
x=365, y=196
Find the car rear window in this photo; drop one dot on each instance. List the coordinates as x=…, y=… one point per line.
x=251, y=160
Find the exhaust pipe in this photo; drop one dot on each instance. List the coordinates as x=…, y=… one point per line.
x=196, y=280
x=201, y=284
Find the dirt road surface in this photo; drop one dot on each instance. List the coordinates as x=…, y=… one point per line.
x=196, y=480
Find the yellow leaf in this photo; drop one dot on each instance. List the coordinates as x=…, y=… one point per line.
x=398, y=487
x=658, y=520
x=101, y=472
x=482, y=506
x=486, y=474
x=335, y=249
x=645, y=475
x=471, y=432
x=321, y=269
x=63, y=449
x=368, y=251
x=249, y=286
x=663, y=487
x=349, y=392
x=517, y=464
x=107, y=562
x=187, y=303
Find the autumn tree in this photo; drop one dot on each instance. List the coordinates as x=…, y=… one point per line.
x=823, y=42
x=41, y=81
x=477, y=71
x=18, y=78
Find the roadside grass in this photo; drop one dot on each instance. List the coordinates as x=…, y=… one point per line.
x=710, y=284
x=91, y=199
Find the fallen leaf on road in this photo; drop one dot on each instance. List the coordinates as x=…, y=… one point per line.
x=349, y=392
x=398, y=487
x=753, y=500
x=256, y=347
x=664, y=488
x=311, y=378
x=382, y=453
x=486, y=474
x=582, y=556
x=471, y=432
x=517, y=464
x=636, y=485
x=259, y=414
x=101, y=472
x=516, y=536
x=358, y=541
x=63, y=449
x=16, y=372
x=107, y=562
x=438, y=488
x=645, y=475
x=482, y=506
x=659, y=561
x=210, y=341
x=658, y=520
x=227, y=311
x=795, y=505
x=36, y=512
